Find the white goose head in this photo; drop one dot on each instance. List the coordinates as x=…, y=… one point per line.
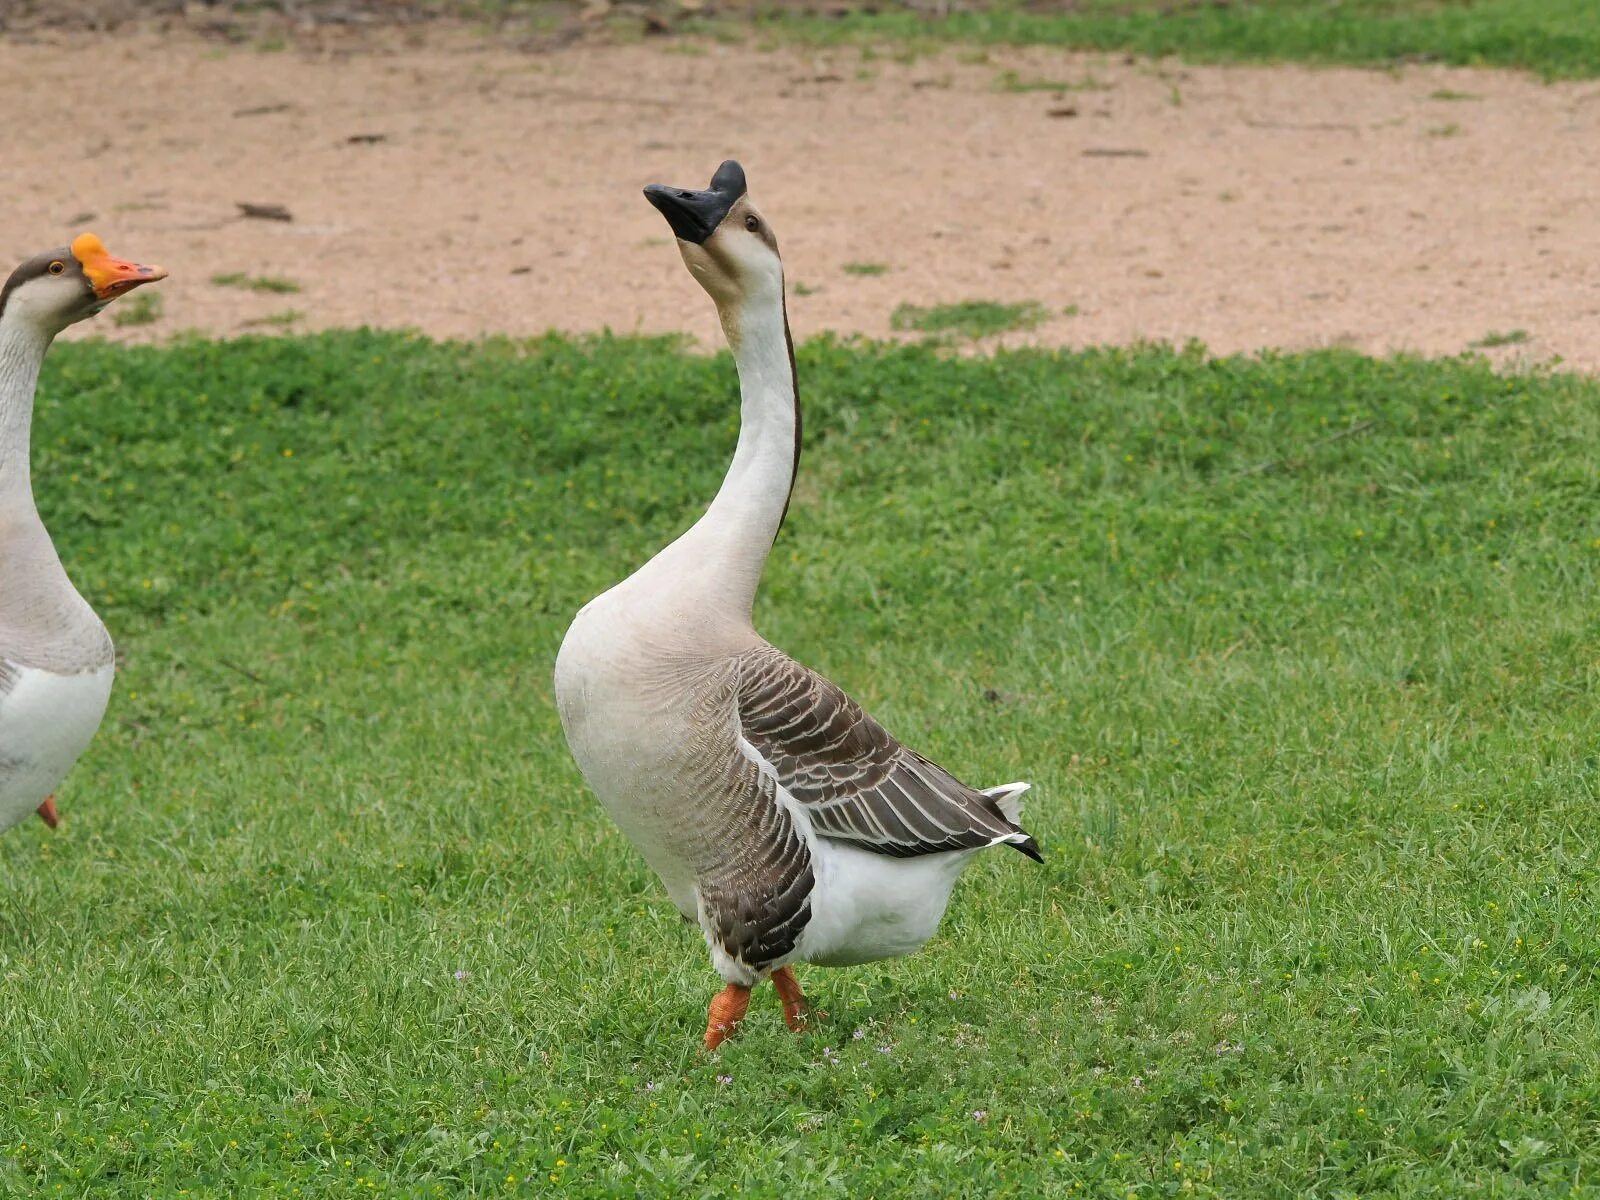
x=725, y=241
x=60, y=287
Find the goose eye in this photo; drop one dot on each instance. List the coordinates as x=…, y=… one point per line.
x=752, y=223
x=57, y=267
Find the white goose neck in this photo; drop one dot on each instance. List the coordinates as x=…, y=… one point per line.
x=22, y=351
x=721, y=558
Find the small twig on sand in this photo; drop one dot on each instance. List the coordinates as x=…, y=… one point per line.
x=264, y=212
x=1311, y=126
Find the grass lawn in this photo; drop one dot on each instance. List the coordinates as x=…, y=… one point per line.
x=1300, y=653
x=1556, y=38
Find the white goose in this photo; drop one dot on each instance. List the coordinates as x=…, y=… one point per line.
x=782, y=819
x=55, y=656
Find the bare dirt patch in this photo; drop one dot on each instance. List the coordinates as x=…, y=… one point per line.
x=462, y=188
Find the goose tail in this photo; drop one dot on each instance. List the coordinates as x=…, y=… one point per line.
x=1008, y=799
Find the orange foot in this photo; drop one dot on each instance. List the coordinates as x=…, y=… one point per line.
x=727, y=1010
x=47, y=812
x=795, y=1007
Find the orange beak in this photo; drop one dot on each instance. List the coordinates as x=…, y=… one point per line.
x=110, y=277
x=48, y=814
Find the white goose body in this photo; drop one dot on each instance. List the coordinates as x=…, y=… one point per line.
x=781, y=818
x=648, y=692
x=56, y=658
x=46, y=721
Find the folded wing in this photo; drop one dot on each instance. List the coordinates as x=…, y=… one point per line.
x=858, y=784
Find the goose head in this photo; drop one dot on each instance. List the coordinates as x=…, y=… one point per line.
x=725, y=241
x=61, y=287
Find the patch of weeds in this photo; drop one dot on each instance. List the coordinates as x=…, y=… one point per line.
x=1011, y=81
x=913, y=49
x=279, y=320
x=725, y=32
x=1444, y=131
x=1071, y=310
x=970, y=318
x=803, y=289
x=626, y=29
x=865, y=268
x=143, y=309
x=256, y=283
x=1452, y=94
x=1494, y=339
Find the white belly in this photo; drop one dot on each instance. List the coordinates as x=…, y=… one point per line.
x=868, y=906
x=622, y=735
x=46, y=721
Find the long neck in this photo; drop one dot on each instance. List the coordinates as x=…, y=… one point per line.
x=22, y=351
x=727, y=548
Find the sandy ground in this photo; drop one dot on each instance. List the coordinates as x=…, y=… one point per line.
x=491, y=190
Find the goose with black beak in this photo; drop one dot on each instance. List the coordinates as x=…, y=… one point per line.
x=783, y=820
x=56, y=658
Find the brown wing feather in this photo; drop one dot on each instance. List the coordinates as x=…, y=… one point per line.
x=758, y=902
x=754, y=887
x=858, y=783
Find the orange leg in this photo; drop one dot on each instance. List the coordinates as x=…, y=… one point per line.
x=727, y=1010
x=795, y=1007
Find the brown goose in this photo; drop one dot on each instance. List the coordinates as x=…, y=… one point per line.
x=55, y=655
x=783, y=820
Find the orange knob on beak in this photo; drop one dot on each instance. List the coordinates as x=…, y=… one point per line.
x=110, y=277
x=48, y=814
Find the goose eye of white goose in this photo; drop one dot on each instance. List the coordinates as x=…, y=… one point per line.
x=57, y=267
x=752, y=223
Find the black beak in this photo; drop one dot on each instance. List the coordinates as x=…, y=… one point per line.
x=694, y=216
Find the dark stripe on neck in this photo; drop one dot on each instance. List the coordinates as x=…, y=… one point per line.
x=32, y=268
x=794, y=387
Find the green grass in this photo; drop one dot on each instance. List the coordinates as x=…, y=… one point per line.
x=1300, y=653
x=279, y=320
x=1555, y=38
x=142, y=309
x=1011, y=81
x=865, y=268
x=256, y=283
x=1493, y=339
x=968, y=318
